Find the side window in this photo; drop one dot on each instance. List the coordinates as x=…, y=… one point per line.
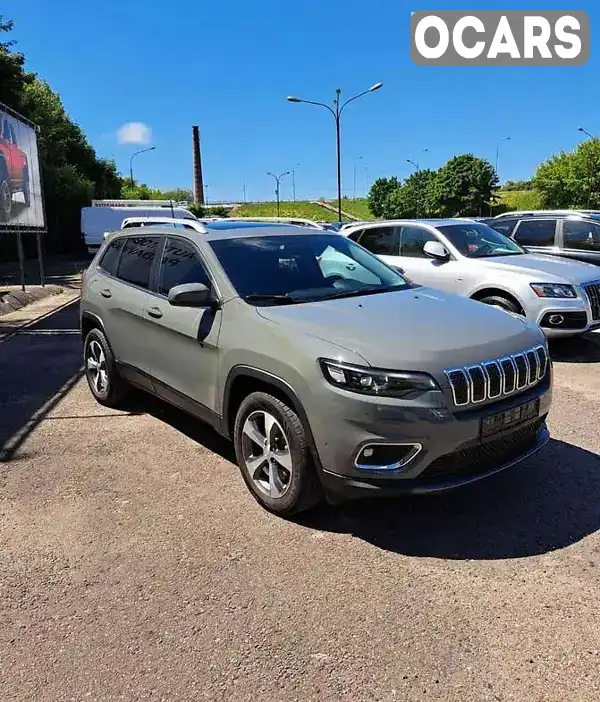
x=414, y=239
x=180, y=264
x=355, y=236
x=504, y=226
x=535, y=232
x=581, y=234
x=382, y=241
x=137, y=257
x=109, y=260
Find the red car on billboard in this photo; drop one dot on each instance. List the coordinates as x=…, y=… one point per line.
x=14, y=168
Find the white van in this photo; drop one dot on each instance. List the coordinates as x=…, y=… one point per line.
x=97, y=220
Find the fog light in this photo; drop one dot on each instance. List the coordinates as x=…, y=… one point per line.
x=556, y=319
x=386, y=456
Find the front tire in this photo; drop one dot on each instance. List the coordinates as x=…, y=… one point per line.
x=273, y=454
x=503, y=302
x=101, y=372
x=25, y=188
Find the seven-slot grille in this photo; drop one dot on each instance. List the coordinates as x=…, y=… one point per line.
x=593, y=293
x=493, y=379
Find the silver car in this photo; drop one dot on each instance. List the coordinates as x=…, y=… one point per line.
x=331, y=374
x=472, y=259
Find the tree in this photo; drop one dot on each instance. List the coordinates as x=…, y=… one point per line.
x=179, y=195
x=465, y=186
x=571, y=179
x=412, y=198
x=512, y=185
x=379, y=193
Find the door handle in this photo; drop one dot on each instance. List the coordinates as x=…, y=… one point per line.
x=154, y=312
x=106, y=293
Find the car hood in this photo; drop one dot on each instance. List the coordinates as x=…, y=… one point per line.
x=416, y=329
x=553, y=268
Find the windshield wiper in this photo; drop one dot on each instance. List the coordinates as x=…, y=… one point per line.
x=364, y=291
x=271, y=297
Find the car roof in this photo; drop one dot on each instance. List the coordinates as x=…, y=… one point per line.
x=442, y=222
x=244, y=224
x=218, y=234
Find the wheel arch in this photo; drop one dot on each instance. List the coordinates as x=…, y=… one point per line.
x=487, y=291
x=243, y=380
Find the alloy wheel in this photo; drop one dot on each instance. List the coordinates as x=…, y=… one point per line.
x=96, y=367
x=266, y=454
x=5, y=198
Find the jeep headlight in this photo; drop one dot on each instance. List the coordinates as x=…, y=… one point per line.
x=553, y=290
x=370, y=381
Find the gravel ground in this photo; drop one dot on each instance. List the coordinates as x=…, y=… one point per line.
x=134, y=564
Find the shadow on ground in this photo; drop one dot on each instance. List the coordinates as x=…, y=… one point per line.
x=582, y=349
x=38, y=367
x=543, y=504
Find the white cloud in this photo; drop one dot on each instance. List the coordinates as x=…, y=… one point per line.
x=134, y=133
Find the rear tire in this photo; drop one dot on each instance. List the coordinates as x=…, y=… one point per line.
x=5, y=195
x=101, y=371
x=273, y=455
x=502, y=302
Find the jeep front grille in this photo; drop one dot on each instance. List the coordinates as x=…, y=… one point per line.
x=593, y=293
x=494, y=379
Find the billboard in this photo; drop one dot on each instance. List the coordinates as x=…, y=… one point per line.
x=21, y=199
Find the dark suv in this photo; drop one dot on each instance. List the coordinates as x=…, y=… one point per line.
x=573, y=236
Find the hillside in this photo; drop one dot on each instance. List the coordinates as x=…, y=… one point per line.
x=359, y=208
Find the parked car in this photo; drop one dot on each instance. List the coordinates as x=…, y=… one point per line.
x=474, y=260
x=331, y=379
x=521, y=214
x=573, y=236
x=14, y=168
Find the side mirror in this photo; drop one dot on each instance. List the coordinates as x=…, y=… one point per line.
x=190, y=295
x=435, y=249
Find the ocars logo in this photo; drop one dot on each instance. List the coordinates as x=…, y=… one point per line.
x=495, y=38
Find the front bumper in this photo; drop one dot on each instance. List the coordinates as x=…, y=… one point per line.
x=576, y=316
x=451, y=451
x=358, y=487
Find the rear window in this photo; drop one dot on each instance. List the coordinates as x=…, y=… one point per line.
x=110, y=258
x=137, y=258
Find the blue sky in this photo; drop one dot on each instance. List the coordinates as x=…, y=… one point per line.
x=228, y=66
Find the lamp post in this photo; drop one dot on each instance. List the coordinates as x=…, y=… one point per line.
x=593, y=138
x=336, y=111
x=277, y=180
x=498, y=151
x=354, y=179
x=294, y=181
x=496, y=169
x=142, y=151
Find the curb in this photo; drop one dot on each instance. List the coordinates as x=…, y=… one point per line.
x=13, y=300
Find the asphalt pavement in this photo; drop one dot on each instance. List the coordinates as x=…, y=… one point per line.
x=135, y=565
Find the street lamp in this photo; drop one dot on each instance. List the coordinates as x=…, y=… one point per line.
x=336, y=111
x=354, y=179
x=416, y=165
x=277, y=179
x=498, y=151
x=142, y=151
x=294, y=181
x=593, y=138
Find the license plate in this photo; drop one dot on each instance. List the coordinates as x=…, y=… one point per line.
x=496, y=423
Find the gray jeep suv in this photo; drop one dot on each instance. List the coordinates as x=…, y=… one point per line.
x=333, y=375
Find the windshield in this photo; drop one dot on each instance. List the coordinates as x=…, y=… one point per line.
x=476, y=240
x=285, y=269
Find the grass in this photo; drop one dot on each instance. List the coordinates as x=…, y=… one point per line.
x=509, y=200
x=303, y=209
